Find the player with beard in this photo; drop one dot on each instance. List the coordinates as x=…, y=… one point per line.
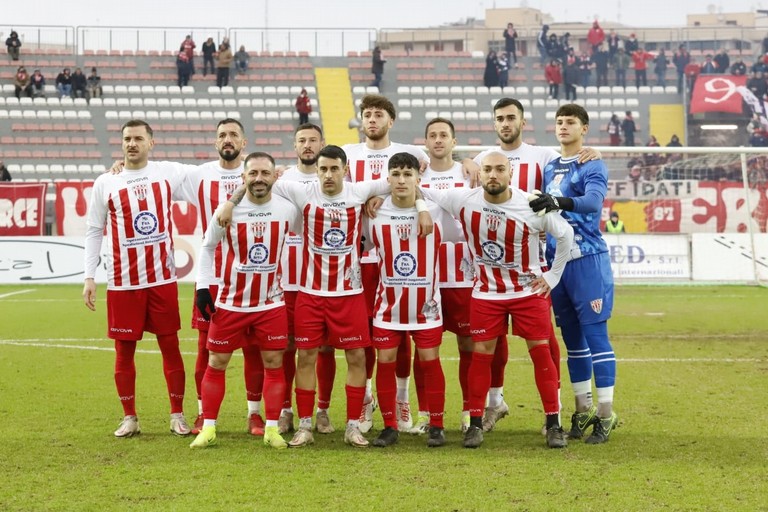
x=206, y=186
x=308, y=141
x=527, y=165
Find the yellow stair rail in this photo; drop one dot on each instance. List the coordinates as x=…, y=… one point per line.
x=334, y=94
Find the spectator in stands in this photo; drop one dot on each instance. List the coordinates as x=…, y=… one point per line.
x=303, y=106
x=614, y=130
x=601, y=58
x=660, y=64
x=631, y=44
x=223, y=63
x=209, y=50
x=595, y=36
x=491, y=74
x=94, y=84
x=674, y=142
x=614, y=41
x=620, y=65
x=554, y=77
x=541, y=43
x=585, y=69
x=241, y=60
x=183, y=68
x=628, y=128
x=640, y=60
x=651, y=160
x=614, y=225
x=757, y=84
x=564, y=44
x=13, y=43
x=188, y=47
x=4, y=174
x=377, y=66
x=64, y=83
x=502, y=67
x=510, y=43
x=38, y=84
x=635, y=173
x=709, y=67
x=722, y=61
x=765, y=45
x=692, y=71
x=571, y=77
x=554, y=49
x=22, y=82
x=79, y=84
x=681, y=59
x=738, y=68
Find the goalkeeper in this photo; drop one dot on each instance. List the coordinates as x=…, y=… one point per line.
x=584, y=299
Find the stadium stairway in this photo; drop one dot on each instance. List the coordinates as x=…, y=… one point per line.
x=334, y=94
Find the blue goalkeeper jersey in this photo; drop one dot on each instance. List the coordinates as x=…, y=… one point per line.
x=587, y=185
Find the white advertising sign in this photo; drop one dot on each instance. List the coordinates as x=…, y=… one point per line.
x=649, y=257
x=728, y=257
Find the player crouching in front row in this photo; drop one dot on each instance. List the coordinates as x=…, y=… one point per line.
x=249, y=308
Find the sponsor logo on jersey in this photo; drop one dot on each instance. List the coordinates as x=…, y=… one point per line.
x=145, y=223
x=403, y=231
x=493, y=222
x=217, y=342
x=279, y=337
x=346, y=339
x=493, y=250
x=137, y=180
x=301, y=339
x=405, y=264
x=597, y=305
x=258, y=253
x=258, y=229
x=140, y=191
x=476, y=332
x=380, y=339
x=260, y=214
x=334, y=237
x=120, y=329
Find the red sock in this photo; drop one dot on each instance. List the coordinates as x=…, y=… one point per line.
x=403, y=369
x=289, y=370
x=500, y=358
x=355, y=397
x=125, y=375
x=386, y=390
x=214, y=387
x=479, y=382
x=253, y=370
x=433, y=373
x=546, y=378
x=201, y=363
x=370, y=362
x=465, y=359
x=274, y=392
x=305, y=402
x=421, y=380
x=326, y=374
x=554, y=350
x=173, y=368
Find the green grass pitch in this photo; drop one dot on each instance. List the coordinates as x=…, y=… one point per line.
x=691, y=394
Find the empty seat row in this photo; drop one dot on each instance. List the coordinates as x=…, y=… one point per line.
x=44, y=114
x=469, y=116
x=272, y=115
x=197, y=102
x=55, y=168
x=48, y=140
x=442, y=102
x=524, y=90
x=167, y=114
x=602, y=114
x=267, y=90
x=42, y=102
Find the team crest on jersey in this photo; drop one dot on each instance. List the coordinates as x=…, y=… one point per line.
x=334, y=214
x=558, y=178
x=493, y=222
x=258, y=229
x=403, y=231
x=442, y=186
x=140, y=191
x=376, y=166
x=258, y=254
x=597, y=305
x=230, y=186
x=405, y=264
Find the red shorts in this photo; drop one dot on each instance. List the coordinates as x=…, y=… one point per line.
x=339, y=322
x=198, y=322
x=425, y=338
x=231, y=330
x=290, y=306
x=530, y=316
x=455, y=305
x=369, y=273
x=132, y=312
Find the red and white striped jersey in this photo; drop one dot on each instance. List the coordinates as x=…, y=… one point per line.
x=135, y=208
x=371, y=164
x=456, y=268
x=251, y=247
x=293, y=243
x=527, y=163
x=504, y=241
x=332, y=231
x=207, y=186
x=407, y=296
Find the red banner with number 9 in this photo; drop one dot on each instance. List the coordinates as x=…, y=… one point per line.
x=717, y=93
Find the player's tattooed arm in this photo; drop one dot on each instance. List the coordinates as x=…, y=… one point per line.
x=225, y=214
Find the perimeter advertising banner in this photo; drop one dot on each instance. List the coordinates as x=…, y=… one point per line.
x=22, y=209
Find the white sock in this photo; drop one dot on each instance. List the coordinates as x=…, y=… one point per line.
x=254, y=407
x=605, y=402
x=495, y=397
x=306, y=423
x=319, y=410
x=353, y=423
x=270, y=423
x=403, y=384
x=286, y=410
x=582, y=392
x=209, y=423
x=368, y=392
x=199, y=407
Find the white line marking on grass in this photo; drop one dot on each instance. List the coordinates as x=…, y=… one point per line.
x=42, y=344
x=10, y=294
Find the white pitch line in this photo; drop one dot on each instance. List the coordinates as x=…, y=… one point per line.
x=38, y=344
x=10, y=294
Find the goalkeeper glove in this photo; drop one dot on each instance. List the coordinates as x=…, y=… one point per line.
x=204, y=303
x=543, y=203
